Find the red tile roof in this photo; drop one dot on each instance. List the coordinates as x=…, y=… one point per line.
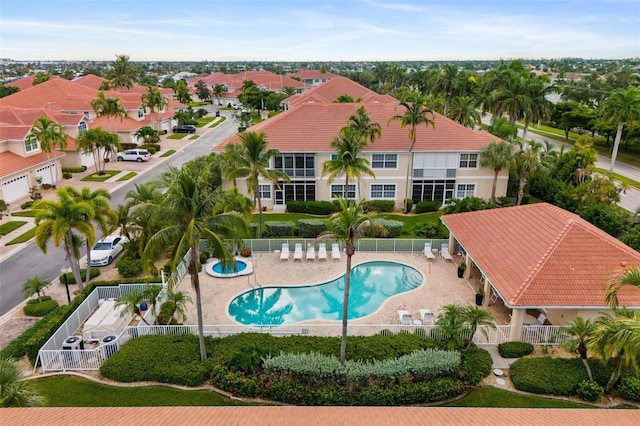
x=540, y=255
x=58, y=94
x=27, y=82
x=312, y=127
x=332, y=89
x=12, y=163
x=16, y=123
x=330, y=416
x=89, y=80
x=304, y=74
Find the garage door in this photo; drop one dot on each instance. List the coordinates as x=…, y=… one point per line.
x=46, y=172
x=15, y=188
x=86, y=159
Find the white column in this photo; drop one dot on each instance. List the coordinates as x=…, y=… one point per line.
x=517, y=317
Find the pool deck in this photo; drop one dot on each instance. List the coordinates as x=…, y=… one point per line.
x=441, y=286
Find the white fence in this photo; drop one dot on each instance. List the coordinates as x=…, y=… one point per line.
x=366, y=244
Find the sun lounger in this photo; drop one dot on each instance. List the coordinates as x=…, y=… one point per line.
x=426, y=316
x=428, y=252
x=311, y=252
x=335, y=251
x=322, y=251
x=284, y=254
x=297, y=252
x=405, y=317
x=444, y=252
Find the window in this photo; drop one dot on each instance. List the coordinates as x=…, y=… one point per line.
x=140, y=112
x=264, y=191
x=338, y=191
x=464, y=190
x=384, y=161
x=298, y=191
x=383, y=191
x=432, y=190
x=468, y=161
x=296, y=165
x=82, y=127
x=30, y=144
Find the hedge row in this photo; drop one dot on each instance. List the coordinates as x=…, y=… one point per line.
x=514, y=349
x=428, y=206
x=80, y=169
x=35, y=308
x=311, y=228
x=279, y=228
x=70, y=279
x=311, y=207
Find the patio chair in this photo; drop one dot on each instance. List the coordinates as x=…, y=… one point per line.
x=297, y=252
x=426, y=316
x=311, y=252
x=322, y=251
x=444, y=252
x=335, y=251
x=284, y=253
x=541, y=319
x=428, y=252
x=405, y=317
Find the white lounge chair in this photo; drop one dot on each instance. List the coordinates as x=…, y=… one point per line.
x=297, y=252
x=335, y=251
x=444, y=252
x=322, y=251
x=405, y=317
x=428, y=252
x=311, y=252
x=426, y=316
x=284, y=253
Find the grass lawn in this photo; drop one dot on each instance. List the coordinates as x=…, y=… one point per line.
x=11, y=226
x=202, y=122
x=177, y=136
x=127, y=176
x=222, y=119
x=24, y=213
x=69, y=391
x=95, y=177
x=487, y=396
x=192, y=137
x=23, y=238
x=168, y=153
x=619, y=178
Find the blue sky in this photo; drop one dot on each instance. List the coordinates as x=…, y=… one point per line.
x=318, y=30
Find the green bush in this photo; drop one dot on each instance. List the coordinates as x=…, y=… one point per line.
x=476, y=365
x=70, y=279
x=253, y=230
x=279, y=228
x=128, y=145
x=515, y=349
x=80, y=169
x=249, y=360
x=429, y=230
x=129, y=267
x=409, y=205
x=428, y=206
x=393, y=229
x=321, y=208
x=413, y=393
x=589, y=390
x=235, y=382
x=311, y=228
x=17, y=348
x=67, y=175
x=151, y=147
x=629, y=388
x=204, y=256
x=26, y=205
x=33, y=308
x=379, y=206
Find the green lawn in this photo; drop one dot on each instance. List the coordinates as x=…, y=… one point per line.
x=70, y=391
x=95, y=177
x=23, y=238
x=11, y=226
x=177, y=136
x=619, y=178
x=202, y=122
x=24, y=213
x=168, y=153
x=127, y=176
x=488, y=396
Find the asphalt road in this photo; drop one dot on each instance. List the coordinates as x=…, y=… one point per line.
x=30, y=261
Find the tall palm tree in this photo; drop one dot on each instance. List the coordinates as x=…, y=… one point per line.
x=446, y=83
x=121, y=75
x=528, y=162
x=49, y=134
x=475, y=317
x=622, y=107
x=60, y=220
x=580, y=331
x=416, y=113
x=14, y=392
x=462, y=109
x=187, y=208
x=111, y=107
x=101, y=144
x=537, y=107
x=218, y=90
x=155, y=101
x=629, y=277
x=498, y=156
x=252, y=162
x=347, y=225
x=361, y=124
x=348, y=145
x=181, y=92
x=34, y=285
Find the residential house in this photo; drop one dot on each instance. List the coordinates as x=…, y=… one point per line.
x=541, y=258
x=312, y=77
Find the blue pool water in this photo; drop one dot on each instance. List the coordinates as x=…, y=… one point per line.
x=240, y=266
x=372, y=283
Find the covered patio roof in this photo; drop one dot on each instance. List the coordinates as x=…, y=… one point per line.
x=540, y=255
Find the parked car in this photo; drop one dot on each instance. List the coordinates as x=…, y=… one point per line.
x=185, y=128
x=138, y=155
x=105, y=250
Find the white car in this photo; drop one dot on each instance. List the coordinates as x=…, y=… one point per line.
x=105, y=250
x=138, y=155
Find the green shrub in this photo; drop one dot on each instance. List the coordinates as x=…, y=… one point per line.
x=129, y=267
x=476, y=365
x=67, y=175
x=17, y=348
x=515, y=349
x=409, y=205
x=70, y=279
x=321, y=208
x=253, y=230
x=428, y=206
x=393, y=229
x=629, y=388
x=429, y=230
x=26, y=205
x=589, y=390
x=204, y=256
x=80, y=169
x=33, y=308
x=128, y=145
x=151, y=147
x=234, y=382
x=249, y=360
x=311, y=228
x=279, y=228
x=379, y=206
x=412, y=393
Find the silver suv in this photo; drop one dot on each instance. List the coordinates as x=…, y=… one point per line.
x=138, y=155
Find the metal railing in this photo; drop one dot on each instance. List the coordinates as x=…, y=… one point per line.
x=394, y=245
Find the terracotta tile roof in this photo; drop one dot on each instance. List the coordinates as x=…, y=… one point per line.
x=330, y=416
x=16, y=123
x=58, y=94
x=332, y=89
x=27, y=82
x=90, y=80
x=541, y=255
x=304, y=74
x=269, y=80
x=12, y=163
x=312, y=127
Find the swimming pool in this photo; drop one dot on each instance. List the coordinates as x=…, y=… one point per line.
x=372, y=283
x=215, y=269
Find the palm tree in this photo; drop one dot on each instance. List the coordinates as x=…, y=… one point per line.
x=451, y=323
x=463, y=110
x=182, y=92
x=218, y=90
x=498, y=156
x=580, y=331
x=14, y=392
x=537, y=106
x=475, y=317
x=59, y=220
x=33, y=286
x=228, y=160
x=111, y=107
x=187, y=208
x=289, y=91
x=131, y=302
x=100, y=144
x=416, y=113
x=348, y=145
x=148, y=135
x=630, y=277
x=623, y=107
x=154, y=100
x=252, y=162
x=446, y=83
x=121, y=75
x=178, y=302
x=362, y=125
x=527, y=162
x=347, y=225
x=49, y=133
